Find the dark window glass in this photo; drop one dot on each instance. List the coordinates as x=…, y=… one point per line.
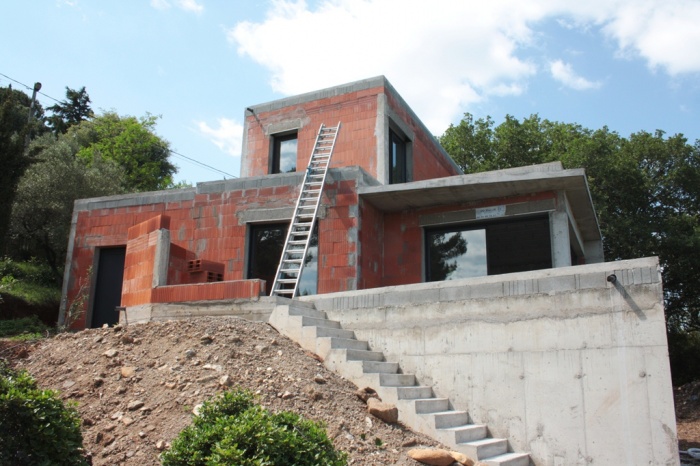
x=266, y=244
x=309, y=276
x=397, y=159
x=284, y=153
x=474, y=250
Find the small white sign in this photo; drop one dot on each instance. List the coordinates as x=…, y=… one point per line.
x=491, y=212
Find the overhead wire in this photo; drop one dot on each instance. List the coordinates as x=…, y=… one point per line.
x=202, y=164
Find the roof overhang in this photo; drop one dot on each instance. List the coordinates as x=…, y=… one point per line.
x=491, y=185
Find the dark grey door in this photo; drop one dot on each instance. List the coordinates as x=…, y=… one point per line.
x=108, y=286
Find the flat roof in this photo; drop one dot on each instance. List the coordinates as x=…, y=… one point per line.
x=491, y=185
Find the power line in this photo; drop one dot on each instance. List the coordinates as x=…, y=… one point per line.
x=202, y=164
x=31, y=88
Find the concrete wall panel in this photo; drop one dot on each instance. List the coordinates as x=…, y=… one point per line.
x=562, y=362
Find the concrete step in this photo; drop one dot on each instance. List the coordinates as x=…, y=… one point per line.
x=467, y=433
x=363, y=355
x=449, y=419
x=295, y=310
x=413, y=393
x=509, y=459
x=347, y=343
x=320, y=332
x=307, y=321
x=431, y=405
x=380, y=367
x=397, y=380
x=484, y=448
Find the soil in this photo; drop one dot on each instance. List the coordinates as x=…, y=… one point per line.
x=136, y=387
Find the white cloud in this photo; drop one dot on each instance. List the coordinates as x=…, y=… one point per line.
x=228, y=136
x=187, y=5
x=564, y=73
x=665, y=33
x=191, y=5
x=449, y=54
x=160, y=4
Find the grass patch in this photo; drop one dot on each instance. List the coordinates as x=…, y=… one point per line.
x=30, y=281
x=26, y=328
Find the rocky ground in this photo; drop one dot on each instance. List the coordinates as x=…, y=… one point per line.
x=136, y=387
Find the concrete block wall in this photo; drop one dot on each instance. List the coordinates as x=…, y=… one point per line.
x=562, y=362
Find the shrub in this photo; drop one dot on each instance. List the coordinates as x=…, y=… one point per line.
x=37, y=428
x=232, y=429
x=31, y=327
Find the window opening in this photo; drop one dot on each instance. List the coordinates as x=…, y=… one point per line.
x=284, y=153
x=479, y=249
x=265, y=250
x=398, y=172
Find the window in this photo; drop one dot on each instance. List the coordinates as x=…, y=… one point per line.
x=308, y=283
x=265, y=250
x=473, y=250
x=454, y=254
x=284, y=153
x=398, y=166
x=266, y=243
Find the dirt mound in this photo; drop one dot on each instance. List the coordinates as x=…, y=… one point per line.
x=687, y=400
x=136, y=387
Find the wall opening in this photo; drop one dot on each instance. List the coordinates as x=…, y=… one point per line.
x=478, y=249
x=108, y=286
x=283, y=158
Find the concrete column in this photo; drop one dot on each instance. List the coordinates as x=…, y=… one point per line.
x=559, y=233
x=160, y=262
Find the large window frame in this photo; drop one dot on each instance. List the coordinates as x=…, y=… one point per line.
x=283, y=159
x=511, y=245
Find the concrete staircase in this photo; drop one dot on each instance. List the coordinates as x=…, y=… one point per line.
x=418, y=407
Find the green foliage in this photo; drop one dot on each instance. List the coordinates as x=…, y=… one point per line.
x=31, y=281
x=684, y=354
x=70, y=112
x=232, y=429
x=14, y=129
x=646, y=190
x=132, y=144
x=26, y=328
x=44, y=205
x=37, y=428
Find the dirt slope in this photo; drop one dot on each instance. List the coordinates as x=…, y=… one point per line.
x=136, y=386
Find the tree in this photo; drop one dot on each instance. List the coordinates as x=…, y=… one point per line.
x=646, y=190
x=70, y=112
x=44, y=204
x=15, y=126
x=130, y=143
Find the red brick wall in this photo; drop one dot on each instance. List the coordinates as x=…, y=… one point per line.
x=371, y=246
x=428, y=159
x=337, y=238
x=355, y=144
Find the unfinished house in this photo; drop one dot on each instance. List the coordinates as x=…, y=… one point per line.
x=480, y=304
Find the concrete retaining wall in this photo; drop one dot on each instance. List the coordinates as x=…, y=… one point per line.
x=562, y=362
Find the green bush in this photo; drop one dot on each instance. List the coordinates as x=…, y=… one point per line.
x=232, y=429
x=31, y=327
x=37, y=428
x=684, y=355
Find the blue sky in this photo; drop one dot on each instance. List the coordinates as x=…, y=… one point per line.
x=630, y=65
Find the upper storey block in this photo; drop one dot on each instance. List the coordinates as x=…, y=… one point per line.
x=379, y=133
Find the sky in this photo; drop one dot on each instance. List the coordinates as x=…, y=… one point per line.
x=630, y=65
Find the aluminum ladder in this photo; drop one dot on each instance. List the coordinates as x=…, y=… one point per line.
x=302, y=225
